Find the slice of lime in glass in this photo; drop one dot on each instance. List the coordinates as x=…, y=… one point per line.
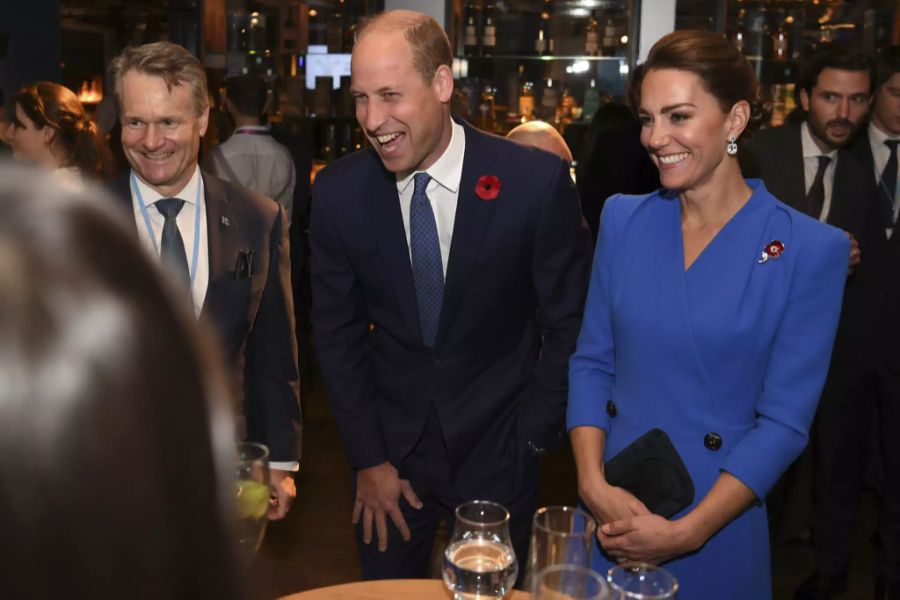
x=252, y=499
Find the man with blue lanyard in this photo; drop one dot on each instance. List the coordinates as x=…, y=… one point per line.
x=225, y=247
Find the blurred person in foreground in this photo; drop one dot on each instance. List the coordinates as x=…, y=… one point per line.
x=225, y=246
x=449, y=269
x=49, y=127
x=541, y=135
x=711, y=313
x=251, y=157
x=116, y=443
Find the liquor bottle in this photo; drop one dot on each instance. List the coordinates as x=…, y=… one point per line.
x=470, y=31
x=592, y=37
x=610, y=40
x=549, y=101
x=489, y=34
x=780, y=44
x=565, y=112
x=591, y=101
x=543, y=45
x=486, y=118
x=526, y=102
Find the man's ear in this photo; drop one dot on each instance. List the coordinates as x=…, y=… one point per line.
x=804, y=100
x=443, y=83
x=203, y=121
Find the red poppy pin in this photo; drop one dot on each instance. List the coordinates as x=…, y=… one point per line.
x=488, y=187
x=773, y=249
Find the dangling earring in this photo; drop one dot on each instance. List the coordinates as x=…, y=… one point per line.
x=731, y=148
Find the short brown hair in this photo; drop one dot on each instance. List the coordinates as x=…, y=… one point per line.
x=721, y=67
x=427, y=40
x=173, y=63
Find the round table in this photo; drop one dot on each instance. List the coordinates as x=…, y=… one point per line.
x=391, y=589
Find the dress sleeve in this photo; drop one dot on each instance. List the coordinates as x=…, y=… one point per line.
x=592, y=367
x=798, y=363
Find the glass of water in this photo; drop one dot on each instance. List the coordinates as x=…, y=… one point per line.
x=252, y=491
x=568, y=582
x=479, y=561
x=641, y=581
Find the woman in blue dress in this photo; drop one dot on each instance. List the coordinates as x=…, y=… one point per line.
x=711, y=314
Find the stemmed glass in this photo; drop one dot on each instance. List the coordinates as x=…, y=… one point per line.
x=560, y=535
x=569, y=582
x=252, y=489
x=641, y=581
x=480, y=561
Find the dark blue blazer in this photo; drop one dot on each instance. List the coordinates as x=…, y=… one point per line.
x=514, y=292
x=253, y=316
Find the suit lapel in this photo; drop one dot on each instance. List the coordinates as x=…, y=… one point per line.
x=383, y=210
x=222, y=229
x=473, y=217
x=847, y=197
x=120, y=189
x=795, y=185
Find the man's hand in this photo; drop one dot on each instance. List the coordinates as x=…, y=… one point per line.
x=855, y=253
x=283, y=493
x=378, y=492
x=609, y=503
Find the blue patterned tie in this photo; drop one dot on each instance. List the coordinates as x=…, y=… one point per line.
x=171, y=251
x=428, y=271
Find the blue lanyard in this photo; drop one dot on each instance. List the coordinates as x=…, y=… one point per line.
x=147, y=224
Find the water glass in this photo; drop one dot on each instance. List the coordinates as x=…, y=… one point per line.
x=479, y=561
x=560, y=535
x=253, y=493
x=641, y=581
x=569, y=582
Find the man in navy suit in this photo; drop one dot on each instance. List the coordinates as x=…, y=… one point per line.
x=225, y=247
x=449, y=270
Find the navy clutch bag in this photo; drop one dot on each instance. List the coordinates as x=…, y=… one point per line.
x=651, y=469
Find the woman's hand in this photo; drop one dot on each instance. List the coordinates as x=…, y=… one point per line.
x=609, y=503
x=646, y=538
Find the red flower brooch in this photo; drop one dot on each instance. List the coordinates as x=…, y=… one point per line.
x=488, y=187
x=773, y=249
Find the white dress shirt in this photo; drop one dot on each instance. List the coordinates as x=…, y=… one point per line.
x=189, y=193
x=442, y=191
x=811, y=154
x=881, y=153
x=260, y=163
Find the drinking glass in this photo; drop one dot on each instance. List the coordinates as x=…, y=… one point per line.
x=479, y=561
x=641, y=581
x=569, y=582
x=560, y=535
x=252, y=489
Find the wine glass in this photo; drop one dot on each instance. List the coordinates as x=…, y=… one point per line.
x=569, y=582
x=641, y=581
x=560, y=535
x=252, y=489
x=479, y=561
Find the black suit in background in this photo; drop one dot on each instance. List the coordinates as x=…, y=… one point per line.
x=253, y=316
x=841, y=431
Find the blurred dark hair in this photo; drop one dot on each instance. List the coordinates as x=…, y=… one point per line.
x=832, y=56
x=114, y=443
x=886, y=65
x=718, y=63
x=247, y=94
x=77, y=136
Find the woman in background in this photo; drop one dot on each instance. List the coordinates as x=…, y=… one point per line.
x=711, y=314
x=116, y=448
x=49, y=127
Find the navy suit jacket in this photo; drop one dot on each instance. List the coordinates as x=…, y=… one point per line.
x=776, y=156
x=515, y=286
x=253, y=316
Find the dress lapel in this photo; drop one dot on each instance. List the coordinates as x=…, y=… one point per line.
x=473, y=218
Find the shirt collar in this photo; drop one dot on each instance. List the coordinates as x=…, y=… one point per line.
x=810, y=148
x=446, y=170
x=187, y=193
x=877, y=136
x=260, y=128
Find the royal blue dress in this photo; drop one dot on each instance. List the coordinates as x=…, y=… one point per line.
x=728, y=358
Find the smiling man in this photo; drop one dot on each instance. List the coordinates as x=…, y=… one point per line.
x=449, y=272
x=223, y=246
